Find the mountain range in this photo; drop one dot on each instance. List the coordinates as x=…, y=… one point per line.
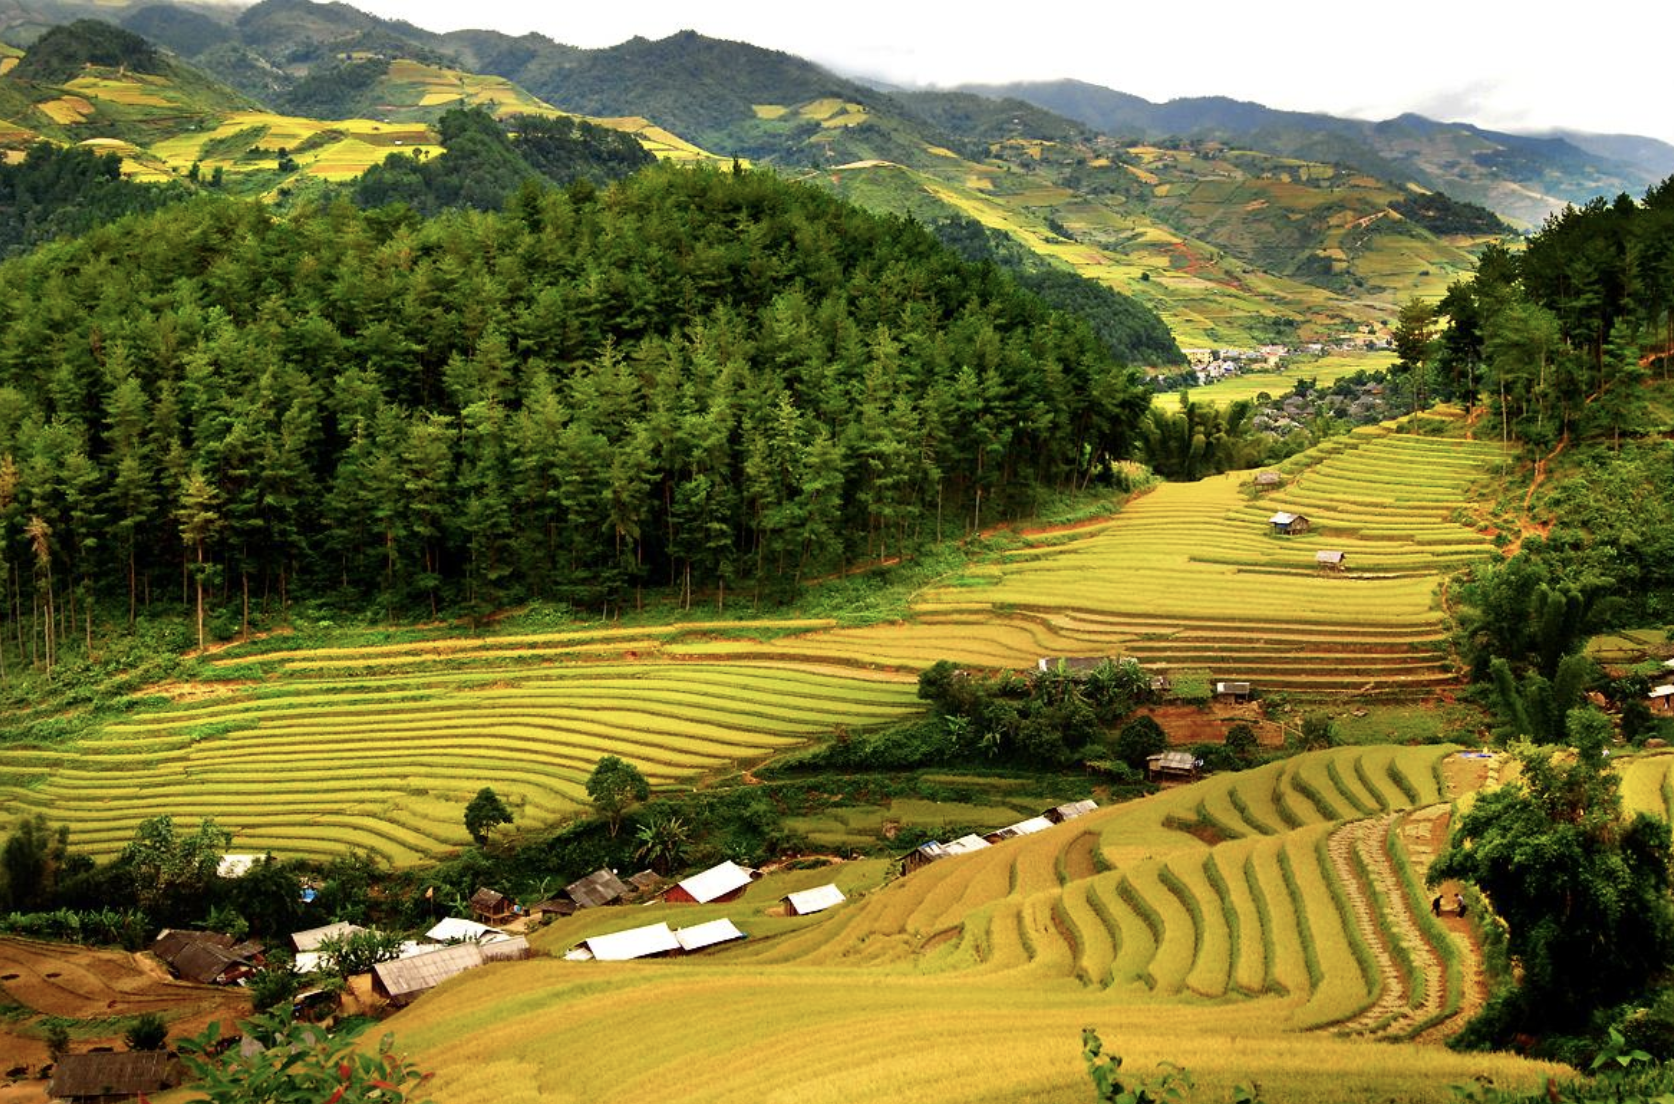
x=1236, y=222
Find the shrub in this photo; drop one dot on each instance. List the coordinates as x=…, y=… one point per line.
x=1241, y=740
x=147, y=1032
x=1139, y=739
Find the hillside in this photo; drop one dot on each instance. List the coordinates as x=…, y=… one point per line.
x=1253, y=951
x=1521, y=177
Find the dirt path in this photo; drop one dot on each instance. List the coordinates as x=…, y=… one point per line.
x=1403, y=1010
x=1526, y=527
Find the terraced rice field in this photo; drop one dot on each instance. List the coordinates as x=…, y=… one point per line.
x=319, y=764
x=1191, y=575
x=1268, y=950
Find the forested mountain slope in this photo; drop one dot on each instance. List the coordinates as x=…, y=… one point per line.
x=696, y=372
x=1519, y=176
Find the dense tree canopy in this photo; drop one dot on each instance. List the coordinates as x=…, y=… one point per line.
x=696, y=377
x=1584, y=891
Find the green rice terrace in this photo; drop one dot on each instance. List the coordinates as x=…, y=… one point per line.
x=318, y=751
x=1254, y=926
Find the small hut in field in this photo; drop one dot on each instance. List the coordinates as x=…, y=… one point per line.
x=1287, y=524
x=1331, y=559
x=1268, y=480
x=809, y=901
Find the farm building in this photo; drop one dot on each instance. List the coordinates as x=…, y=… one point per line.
x=456, y=930
x=208, y=964
x=1661, y=698
x=402, y=980
x=718, y=883
x=1021, y=828
x=107, y=1078
x=1331, y=559
x=645, y=883
x=1288, y=524
x=699, y=936
x=1232, y=693
x=809, y=901
x=601, y=887
x=171, y=941
x=1267, y=480
x=489, y=906
x=311, y=939
x=645, y=942
x=1161, y=683
x=930, y=852
x=1171, y=764
x=552, y=908
x=1070, y=811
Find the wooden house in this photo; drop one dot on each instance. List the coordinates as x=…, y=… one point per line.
x=1268, y=480
x=552, y=908
x=931, y=852
x=1171, y=764
x=111, y=1078
x=1661, y=698
x=490, y=906
x=1287, y=524
x=1331, y=559
x=209, y=964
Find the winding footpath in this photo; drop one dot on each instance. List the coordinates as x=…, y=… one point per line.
x=1406, y=1007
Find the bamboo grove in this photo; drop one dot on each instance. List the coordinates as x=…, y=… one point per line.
x=698, y=378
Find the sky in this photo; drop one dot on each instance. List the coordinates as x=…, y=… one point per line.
x=1488, y=62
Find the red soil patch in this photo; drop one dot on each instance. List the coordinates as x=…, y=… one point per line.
x=59, y=979
x=1188, y=724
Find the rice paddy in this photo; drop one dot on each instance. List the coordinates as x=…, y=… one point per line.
x=1269, y=956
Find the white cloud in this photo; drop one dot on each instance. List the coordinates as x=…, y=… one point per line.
x=1482, y=62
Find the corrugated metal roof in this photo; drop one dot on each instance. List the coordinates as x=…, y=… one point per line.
x=108, y=1074
x=1232, y=688
x=204, y=962
x=653, y=939
x=814, y=900
x=964, y=845
x=599, y=888
x=699, y=936
x=1028, y=827
x=487, y=900
x=405, y=978
x=1662, y=691
x=1282, y=518
x=457, y=930
x=311, y=939
x=717, y=881
x=1075, y=809
x=1330, y=555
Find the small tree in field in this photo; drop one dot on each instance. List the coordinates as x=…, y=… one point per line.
x=484, y=812
x=1140, y=739
x=614, y=785
x=148, y=1032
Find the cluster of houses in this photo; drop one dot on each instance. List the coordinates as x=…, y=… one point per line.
x=717, y=885
x=964, y=845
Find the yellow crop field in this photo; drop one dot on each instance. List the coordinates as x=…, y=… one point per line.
x=66, y=110
x=1213, y=958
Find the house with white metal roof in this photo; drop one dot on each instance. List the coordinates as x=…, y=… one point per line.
x=699, y=936
x=809, y=901
x=457, y=930
x=652, y=939
x=718, y=883
x=311, y=939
